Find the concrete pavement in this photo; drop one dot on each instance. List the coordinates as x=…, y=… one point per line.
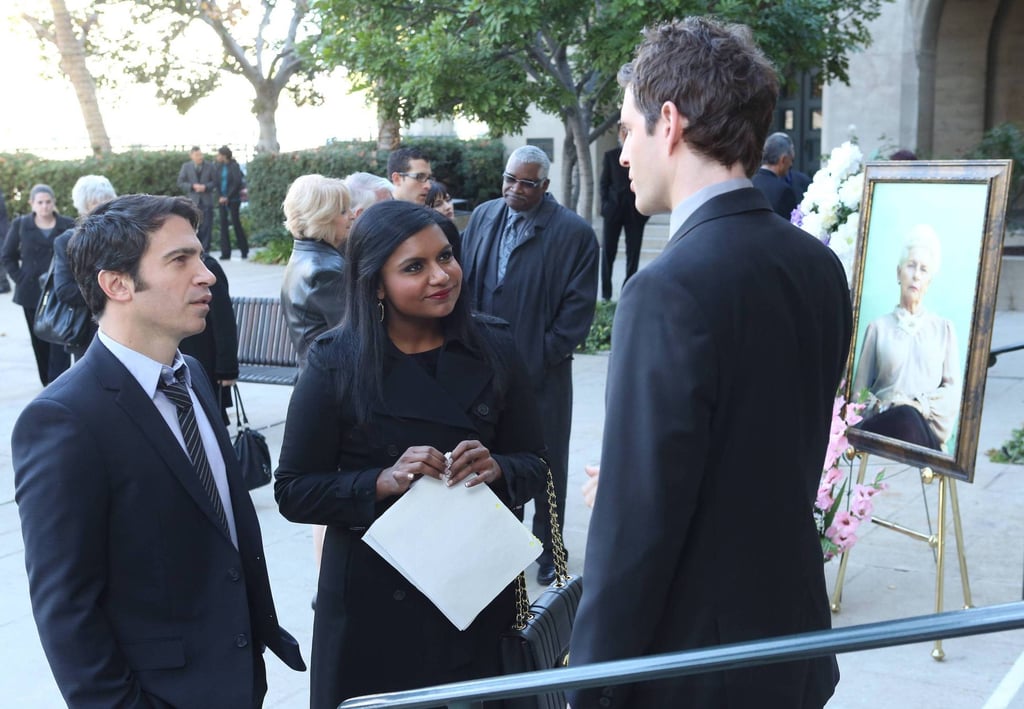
x=889, y=576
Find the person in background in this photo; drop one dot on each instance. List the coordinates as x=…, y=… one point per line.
x=145, y=561
x=216, y=347
x=903, y=154
x=438, y=199
x=318, y=215
x=409, y=376
x=89, y=192
x=230, y=182
x=26, y=255
x=5, y=224
x=776, y=162
x=197, y=181
x=740, y=308
x=365, y=190
x=532, y=262
x=618, y=209
x=409, y=172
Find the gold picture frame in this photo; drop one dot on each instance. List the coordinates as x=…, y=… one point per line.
x=928, y=257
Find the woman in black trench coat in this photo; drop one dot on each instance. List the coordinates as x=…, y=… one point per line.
x=407, y=377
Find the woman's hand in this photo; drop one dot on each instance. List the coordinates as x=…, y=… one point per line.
x=589, y=488
x=472, y=457
x=415, y=462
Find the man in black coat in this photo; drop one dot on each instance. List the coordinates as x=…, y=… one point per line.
x=5, y=285
x=532, y=262
x=230, y=182
x=770, y=178
x=197, y=181
x=727, y=350
x=618, y=208
x=145, y=561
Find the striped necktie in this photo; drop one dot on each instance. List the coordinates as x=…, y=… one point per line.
x=509, y=239
x=177, y=392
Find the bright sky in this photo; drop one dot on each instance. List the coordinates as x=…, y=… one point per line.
x=43, y=115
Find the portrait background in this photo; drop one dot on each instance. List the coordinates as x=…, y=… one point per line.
x=957, y=212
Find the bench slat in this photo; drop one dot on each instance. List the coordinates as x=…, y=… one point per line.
x=265, y=351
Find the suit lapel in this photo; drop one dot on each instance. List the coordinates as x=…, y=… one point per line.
x=140, y=410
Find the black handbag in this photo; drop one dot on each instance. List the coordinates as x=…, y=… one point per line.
x=539, y=640
x=251, y=448
x=57, y=322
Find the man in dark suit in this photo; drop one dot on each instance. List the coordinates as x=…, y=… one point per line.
x=727, y=350
x=618, y=208
x=145, y=561
x=770, y=178
x=197, y=181
x=532, y=262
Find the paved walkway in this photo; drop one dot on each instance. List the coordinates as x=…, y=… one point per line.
x=890, y=576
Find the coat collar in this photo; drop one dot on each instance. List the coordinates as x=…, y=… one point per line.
x=410, y=392
x=746, y=199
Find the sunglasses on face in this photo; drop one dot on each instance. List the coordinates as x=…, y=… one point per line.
x=512, y=179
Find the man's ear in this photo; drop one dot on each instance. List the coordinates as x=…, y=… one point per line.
x=117, y=286
x=675, y=123
x=395, y=178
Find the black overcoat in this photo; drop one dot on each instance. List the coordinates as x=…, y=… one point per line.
x=27, y=254
x=373, y=631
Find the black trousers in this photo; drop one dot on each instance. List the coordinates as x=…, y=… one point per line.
x=236, y=222
x=613, y=226
x=904, y=423
x=51, y=359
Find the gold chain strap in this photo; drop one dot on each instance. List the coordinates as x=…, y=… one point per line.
x=558, y=555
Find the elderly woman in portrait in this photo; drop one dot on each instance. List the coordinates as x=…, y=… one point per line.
x=318, y=215
x=908, y=364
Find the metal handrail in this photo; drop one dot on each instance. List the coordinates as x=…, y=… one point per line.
x=951, y=624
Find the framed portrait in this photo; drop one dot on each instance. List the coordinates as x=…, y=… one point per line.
x=929, y=250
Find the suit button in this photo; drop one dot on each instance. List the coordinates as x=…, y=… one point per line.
x=483, y=409
x=234, y=574
x=392, y=451
x=241, y=640
x=399, y=595
x=607, y=692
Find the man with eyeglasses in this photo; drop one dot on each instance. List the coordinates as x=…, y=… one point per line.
x=409, y=171
x=533, y=262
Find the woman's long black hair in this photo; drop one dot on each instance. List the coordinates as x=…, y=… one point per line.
x=363, y=341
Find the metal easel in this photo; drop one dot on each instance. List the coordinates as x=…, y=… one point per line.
x=937, y=541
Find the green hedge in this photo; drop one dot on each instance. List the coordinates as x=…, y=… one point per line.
x=151, y=172
x=471, y=170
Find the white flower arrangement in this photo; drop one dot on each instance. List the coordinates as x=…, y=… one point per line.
x=830, y=209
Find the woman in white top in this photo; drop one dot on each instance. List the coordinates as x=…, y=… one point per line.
x=909, y=363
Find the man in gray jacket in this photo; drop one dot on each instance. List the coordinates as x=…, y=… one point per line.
x=197, y=180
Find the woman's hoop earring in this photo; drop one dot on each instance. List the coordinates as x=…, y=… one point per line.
x=380, y=307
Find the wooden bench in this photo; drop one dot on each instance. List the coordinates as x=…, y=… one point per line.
x=265, y=352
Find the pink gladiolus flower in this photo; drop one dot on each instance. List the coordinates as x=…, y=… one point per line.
x=861, y=508
x=824, y=501
x=833, y=475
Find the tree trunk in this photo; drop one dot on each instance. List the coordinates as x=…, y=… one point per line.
x=265, y=108
x=577, y=168
x=389, y=132
x=72, y=63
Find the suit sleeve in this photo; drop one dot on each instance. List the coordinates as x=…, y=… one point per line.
x=63, y=503
x=660, y=400
x=309, y=487
x=576, y=303
x=184, y=184
x=11, y=253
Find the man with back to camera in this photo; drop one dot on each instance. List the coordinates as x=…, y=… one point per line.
x=143, y=550
x=727, y=350
x=409, y=171
x=770, y=178
x=533, y=262
x=197, y=180
x=618, y=210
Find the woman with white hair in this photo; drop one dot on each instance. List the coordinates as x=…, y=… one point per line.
x=89, y=192
x=908, y=364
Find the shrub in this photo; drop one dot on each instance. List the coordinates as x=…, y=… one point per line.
x=599, y=339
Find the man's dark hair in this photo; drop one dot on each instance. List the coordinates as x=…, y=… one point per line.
x=399, y=159
x=716, y=77
x=225, y=151
x=194, y=148
x=115, y=236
